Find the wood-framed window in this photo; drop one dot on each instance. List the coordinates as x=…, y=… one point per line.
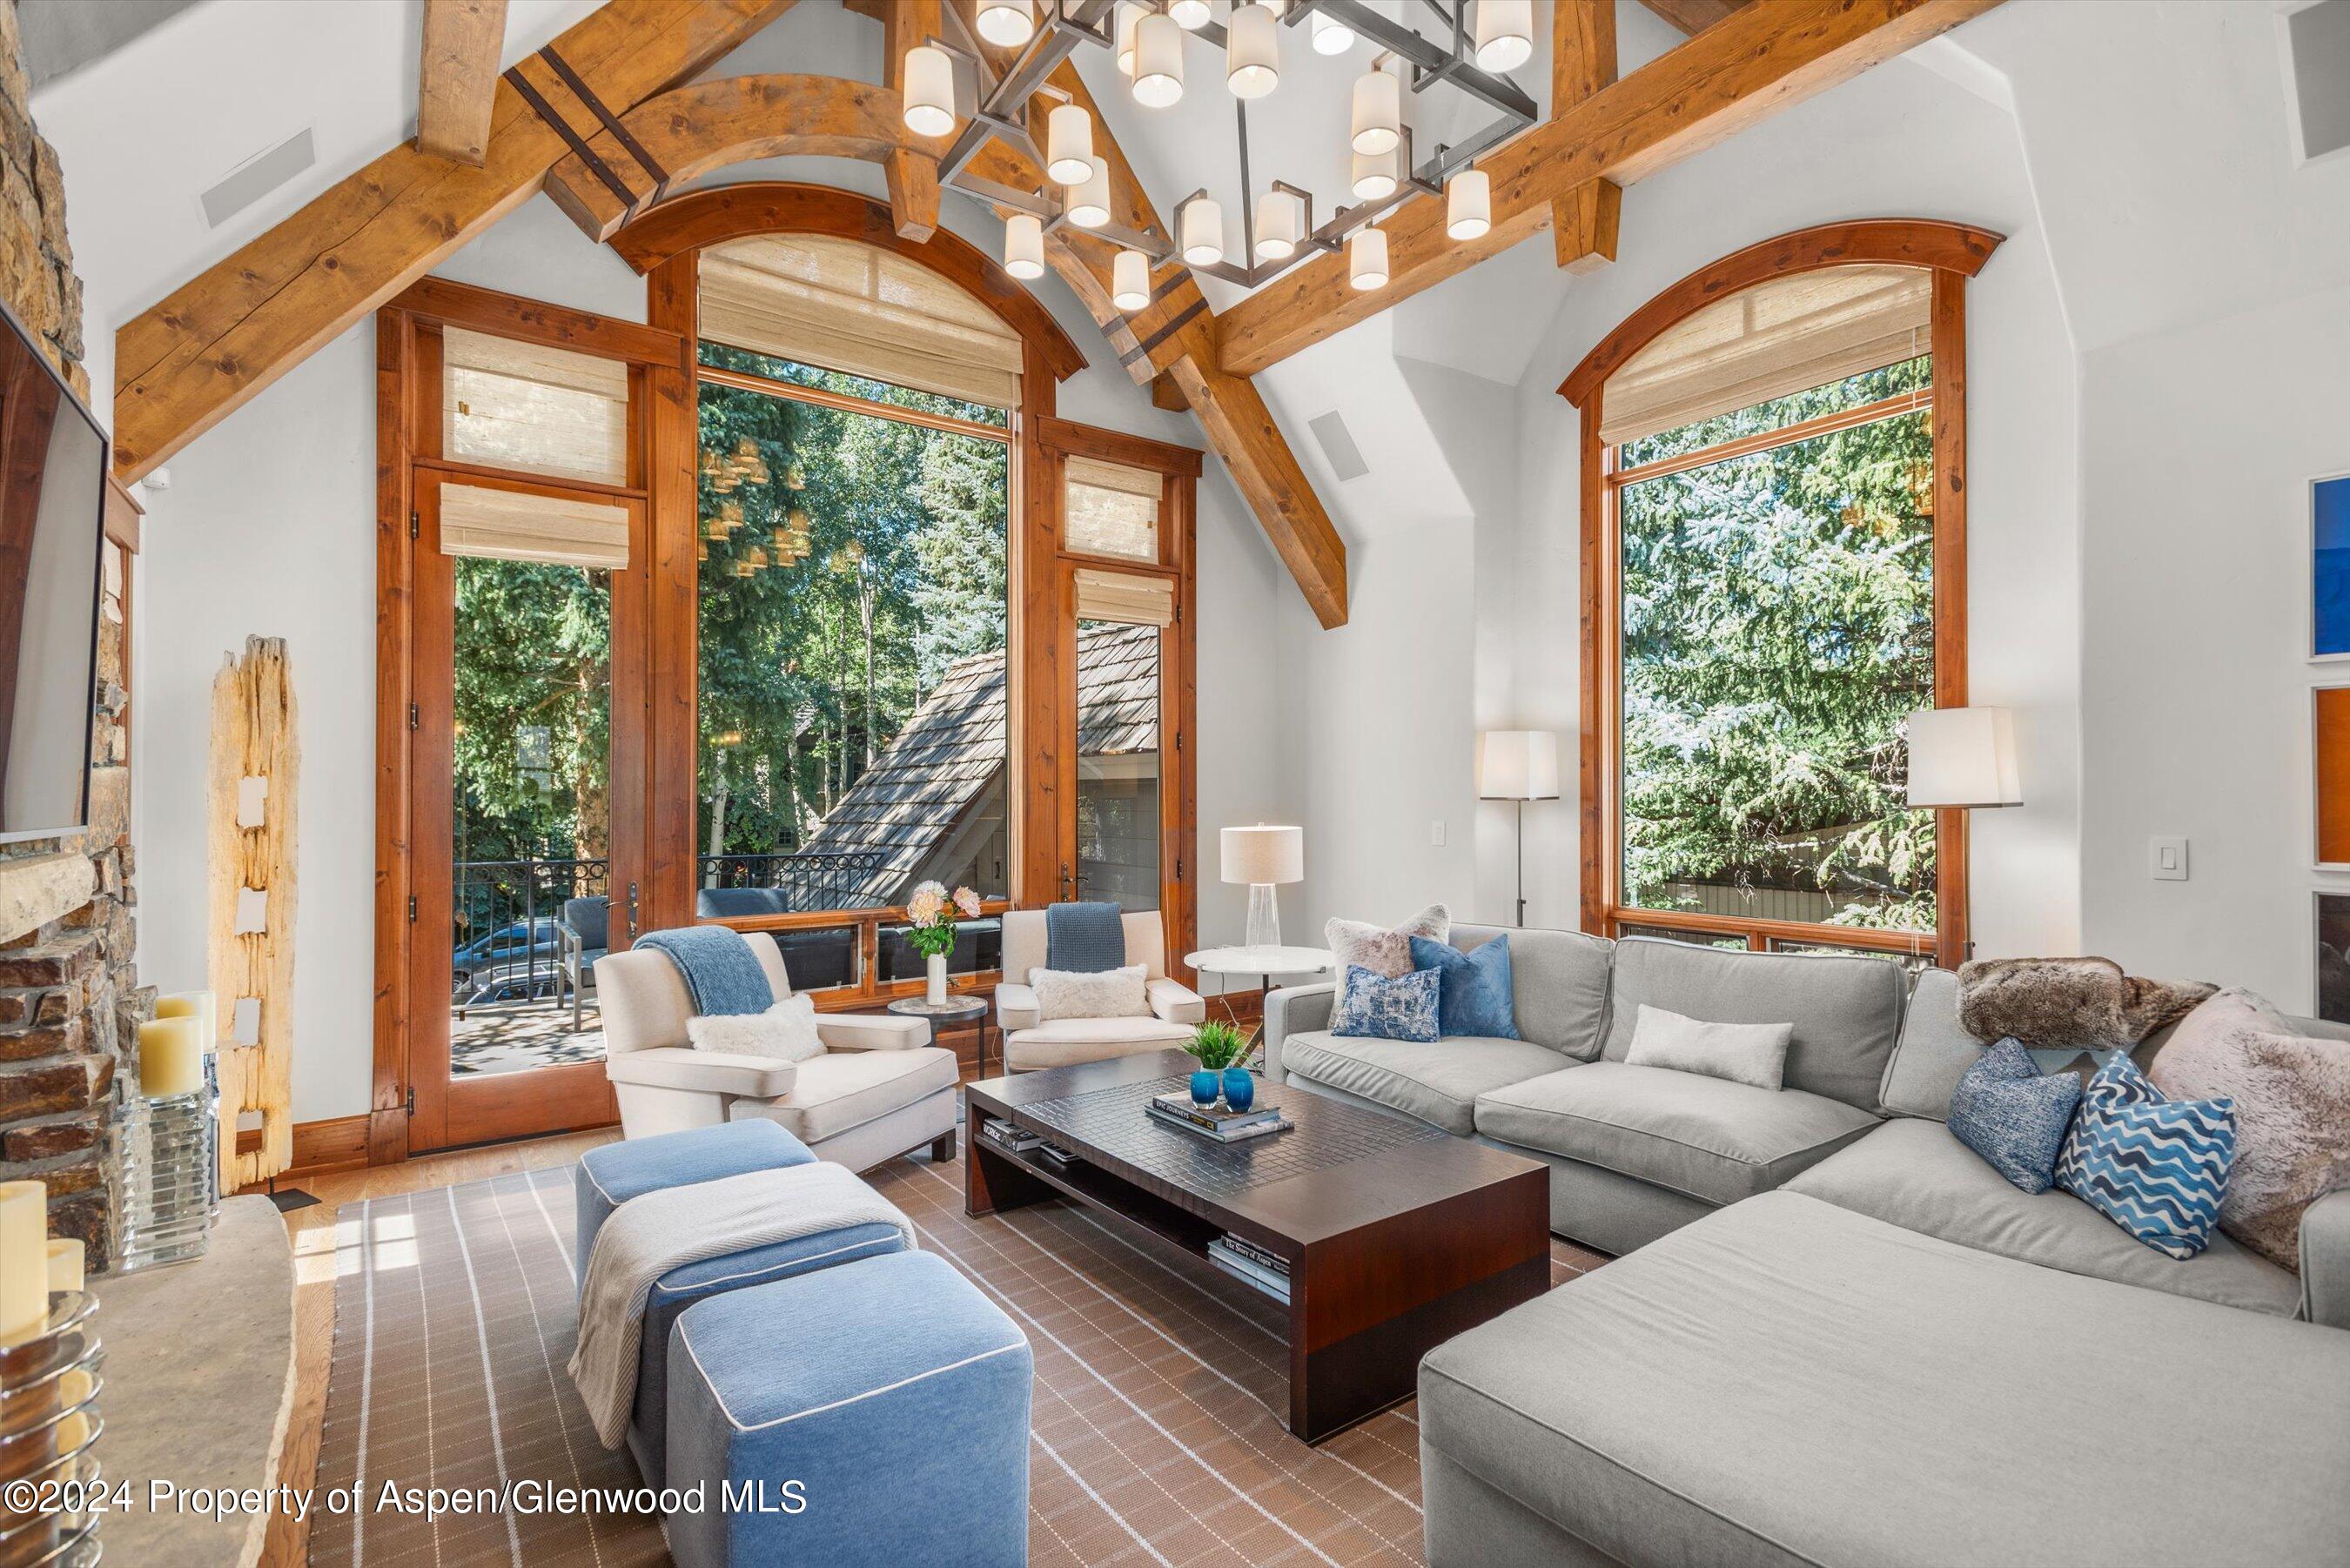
x=1773, y=553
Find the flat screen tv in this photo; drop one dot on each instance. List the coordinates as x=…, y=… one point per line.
x=52, y=536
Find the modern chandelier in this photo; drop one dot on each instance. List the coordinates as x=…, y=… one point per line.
x=947, y=81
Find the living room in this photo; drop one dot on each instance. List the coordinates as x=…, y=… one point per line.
x=1081, y=782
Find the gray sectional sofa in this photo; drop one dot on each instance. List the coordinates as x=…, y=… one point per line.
x=1840, y=1336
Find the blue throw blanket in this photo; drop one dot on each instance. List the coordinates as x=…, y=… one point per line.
x=1084, y=939
x=721, y=974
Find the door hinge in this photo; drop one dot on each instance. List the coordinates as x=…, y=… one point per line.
x=415, y=718
x=411, y=525
x=411, y=907
x=411, y=1099
x=1178, y=869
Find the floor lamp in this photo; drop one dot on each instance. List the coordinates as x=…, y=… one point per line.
x=1961, y=759
x=1518, y=766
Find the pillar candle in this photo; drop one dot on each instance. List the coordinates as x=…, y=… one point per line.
x=24, y=1261
x=199, y=1005
x=170, y=1058
x=65, y=1264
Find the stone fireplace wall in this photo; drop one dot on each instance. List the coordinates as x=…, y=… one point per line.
x=69, y=994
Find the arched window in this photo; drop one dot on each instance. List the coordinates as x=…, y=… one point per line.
x=1773, y=578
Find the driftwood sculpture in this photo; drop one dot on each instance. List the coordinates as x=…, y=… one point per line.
x=256, y=780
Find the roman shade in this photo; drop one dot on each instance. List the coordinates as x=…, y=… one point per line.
x=1109, y=509
x=533, y=408
x=1124, y=596
x=513, y=525
x=845, y=305
x=1785, y=335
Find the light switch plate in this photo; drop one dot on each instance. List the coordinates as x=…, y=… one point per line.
x=1436, y=834
x=2166, y=858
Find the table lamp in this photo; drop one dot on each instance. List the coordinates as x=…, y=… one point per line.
x=1261, y=857
x=1518, y=766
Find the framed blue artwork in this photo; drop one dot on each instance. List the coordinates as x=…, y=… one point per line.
x=2329, y=568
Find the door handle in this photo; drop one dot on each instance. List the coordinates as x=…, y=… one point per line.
x=632, y=911
x=1068, y=884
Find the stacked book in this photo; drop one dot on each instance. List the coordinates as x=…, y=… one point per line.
x=1007, y=1137
x=1255, y=1265
x=1219, y=1121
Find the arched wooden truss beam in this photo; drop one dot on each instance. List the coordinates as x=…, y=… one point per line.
x=630, y=166
x=1875, y=242
x=704, y=218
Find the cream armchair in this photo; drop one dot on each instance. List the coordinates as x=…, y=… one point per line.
x=879, y=1089
x=1031, y=1044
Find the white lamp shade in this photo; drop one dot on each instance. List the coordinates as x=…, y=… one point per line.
x=1469, y=204
x=1375, y=174
x=1023, y=247
x=1331, y=36
x=1069, y=144
x=928, y=82
x=1377, y=112
x=1280, y=224
x=1089, y=202
x=1253, y=52
x=1129, y=280
x=1257, y=856
x=1158, y=61
x=1190, y=15
x=1504, y=33
x=1963, y=757
x=1517, y=764
x=1367, y=259
x=1010, y=23
x=1128, y=16
x=1202, y=223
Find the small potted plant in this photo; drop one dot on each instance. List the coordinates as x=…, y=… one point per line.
x=931, y=918
x=1221, y=1051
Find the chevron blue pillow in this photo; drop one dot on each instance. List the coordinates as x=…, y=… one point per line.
x=2154, y=1165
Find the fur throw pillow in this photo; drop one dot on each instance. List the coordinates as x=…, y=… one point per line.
x=1356, y=944
x=2293, y=1113
x=1095, y=993
x=786, y=1032
x=2083, y=1003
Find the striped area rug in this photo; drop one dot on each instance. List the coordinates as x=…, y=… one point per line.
x=1160, y=1386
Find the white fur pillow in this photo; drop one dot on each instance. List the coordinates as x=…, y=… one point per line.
x=1105, y=993
x=1752, y=1054
x=786, y=1032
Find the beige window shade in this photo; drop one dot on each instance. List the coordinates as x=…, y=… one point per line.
x=533, y=408
x=1778, y=338
x=1120, y=597
x=1109, y=509
x=505, y=525
x=847, y=306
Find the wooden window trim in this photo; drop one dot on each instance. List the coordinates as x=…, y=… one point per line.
x=1953, y=252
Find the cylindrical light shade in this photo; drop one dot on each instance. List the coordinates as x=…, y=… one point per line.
x=1069, y=144
x=1375, y=174
x=1280, y=224
x=1129, y=280
x=1367, y=259
x=1467, y=204
x=1010, y=23
x=1260, y=855
x=1331, y=36
x=1504, y=33
x=1379, y=112
x=1517, y=764
x=1089, y=202
x=1023, y=247
x=1128, y=16
x=1963, y=757
x=1158, y=61
x=1253, y=52
x=1190, y=15
x=929, y=83
x=1201, y=224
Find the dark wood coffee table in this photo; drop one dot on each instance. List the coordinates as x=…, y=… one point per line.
x=1398, y=1236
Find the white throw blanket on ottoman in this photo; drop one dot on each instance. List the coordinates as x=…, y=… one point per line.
x=649, y=1235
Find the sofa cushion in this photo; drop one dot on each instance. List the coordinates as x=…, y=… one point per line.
x=1066, y=1041
x=1934, y=1053
x=1474, y=993
x=1438, y=1082
x=845, y=1089
x=1787, y=1381
x=1846, y=1009
x=1916, y=1174
x=1558, y=984
x=1707, y=1138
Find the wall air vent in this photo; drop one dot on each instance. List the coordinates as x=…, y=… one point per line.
x=257, y=176
x=2317, y=45
x=1339, y=446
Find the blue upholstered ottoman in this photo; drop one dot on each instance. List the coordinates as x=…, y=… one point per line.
x=876, y=1414
x=611, y=1175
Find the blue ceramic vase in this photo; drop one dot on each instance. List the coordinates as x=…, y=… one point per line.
x=1204, y=1087
x=1239, y=1089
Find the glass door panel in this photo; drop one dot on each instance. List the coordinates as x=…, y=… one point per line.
x=1119, y=688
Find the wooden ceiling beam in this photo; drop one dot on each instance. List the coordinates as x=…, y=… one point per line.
x=912, y=176
x=204, y=351
x=1693, y=16
x=1739, y=71
x=1582, y=62
x=458, y=85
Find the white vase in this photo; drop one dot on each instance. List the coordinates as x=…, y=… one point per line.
x=935, y=993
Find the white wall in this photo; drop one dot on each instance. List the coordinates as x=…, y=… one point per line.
x=2198, y=448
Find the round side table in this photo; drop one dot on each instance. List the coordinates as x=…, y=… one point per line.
x=953, y=1010
x=1261, y=962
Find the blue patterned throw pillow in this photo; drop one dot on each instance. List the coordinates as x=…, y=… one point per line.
x=2007, y=1113
x=1371, y=1007
x=1473, y=989
x=2154, y=1165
